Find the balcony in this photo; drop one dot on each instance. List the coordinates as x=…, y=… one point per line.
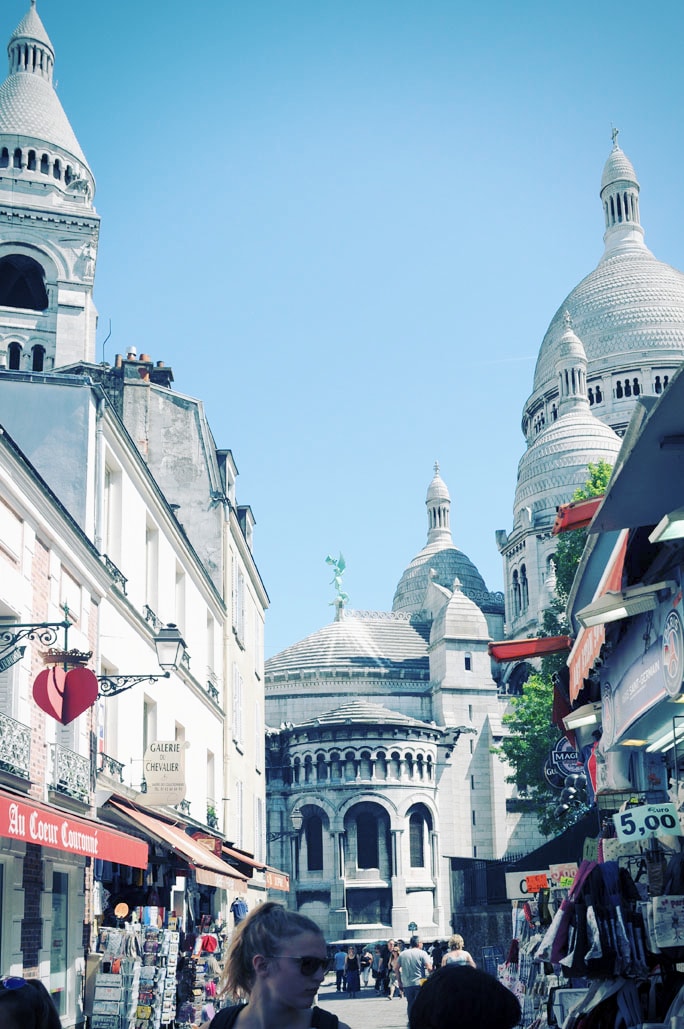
x=111, y=767
x=70, y=774
x=15, y=747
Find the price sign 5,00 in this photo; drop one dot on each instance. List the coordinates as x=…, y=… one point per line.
x=647, y=820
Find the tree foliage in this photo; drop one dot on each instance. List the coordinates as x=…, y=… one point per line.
x=531, y=731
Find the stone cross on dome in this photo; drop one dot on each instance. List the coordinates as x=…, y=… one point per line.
x=614, y=134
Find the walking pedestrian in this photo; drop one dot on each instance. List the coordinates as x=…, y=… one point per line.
x=366, y=964
x=276, y=963
x=414, y=967
x=377, y=967
x=352, y=972
x=460, y=997
x=338, y=964
x=456, y=955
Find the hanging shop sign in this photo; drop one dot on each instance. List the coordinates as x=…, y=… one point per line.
x=164, y=773
x=277, y=880
x=49, y=827
x=563, y=760
x=646, y=668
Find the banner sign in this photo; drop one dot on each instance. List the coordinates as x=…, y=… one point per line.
x=647, y=820
x=32, y=823
x=646, y=668
x=277, y=881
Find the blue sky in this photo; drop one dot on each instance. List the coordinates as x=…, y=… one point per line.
x=346, y=226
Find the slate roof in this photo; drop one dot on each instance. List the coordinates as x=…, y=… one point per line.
x=30, y=107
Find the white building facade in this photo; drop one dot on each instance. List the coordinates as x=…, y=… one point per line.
x=380, y=744
x=119, y=517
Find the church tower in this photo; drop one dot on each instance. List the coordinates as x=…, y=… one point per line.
x=48, y=225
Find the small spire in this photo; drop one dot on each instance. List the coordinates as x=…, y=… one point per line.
x=567, y=319
x=436, y=467
x=33, y=3
x=614, y=136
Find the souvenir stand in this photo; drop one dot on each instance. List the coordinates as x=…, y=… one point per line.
x=136, y=985
x=607, y=948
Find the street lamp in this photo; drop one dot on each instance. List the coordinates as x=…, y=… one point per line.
x=297, y=820
x=170, y=647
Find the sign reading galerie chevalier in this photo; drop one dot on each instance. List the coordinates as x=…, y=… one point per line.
x=36, y=823
x=164, y=773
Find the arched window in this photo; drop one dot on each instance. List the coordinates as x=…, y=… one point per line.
x=468, y=661
x=658, y=387
x=590, y=394
x=4, y=157
x=516, y=594
x=366, y=841
x=618, y=389
x=636, y=388
x=417, y=840
x=599, y=395
x=314, y=843
x=38, y=358
x=628, y=388
x=57, y=169
x=45, y=164
x=17, y=158
x=31, y=160
x=524, y=589
x=14, y=353
x=22, y=283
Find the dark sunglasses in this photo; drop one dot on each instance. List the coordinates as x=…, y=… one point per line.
x=13, y=982
x=309, y=965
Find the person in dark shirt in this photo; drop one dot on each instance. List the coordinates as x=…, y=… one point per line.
x=461, y=997
x=26, y=1004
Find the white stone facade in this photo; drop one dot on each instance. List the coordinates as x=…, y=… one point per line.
x=382, y=731
x=628, y=317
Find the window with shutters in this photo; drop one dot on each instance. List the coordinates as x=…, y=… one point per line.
x=238, y=708
x=239, y=813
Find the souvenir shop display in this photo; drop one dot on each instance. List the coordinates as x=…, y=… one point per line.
x=607, y=949
x=136, y=988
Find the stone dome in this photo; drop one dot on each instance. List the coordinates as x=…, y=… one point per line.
x=631, y=305
x=439, y=561
x=29, y=105
x=618, y=168
x=362, y=643
x=555, y=465
x=448, y=564
x=628, y=312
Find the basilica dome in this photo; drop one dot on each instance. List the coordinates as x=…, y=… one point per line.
x=628, y=312
x=439, y=561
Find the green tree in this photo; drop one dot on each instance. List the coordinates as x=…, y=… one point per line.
x=531, y=731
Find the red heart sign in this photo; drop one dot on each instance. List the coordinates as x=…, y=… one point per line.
x=64, y=696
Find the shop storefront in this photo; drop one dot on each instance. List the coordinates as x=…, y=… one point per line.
x=45, y=909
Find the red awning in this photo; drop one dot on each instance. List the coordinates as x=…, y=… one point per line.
x=575, y=515
x=24, y=819
x=587, y=646
x=208, y=868
x=535, y=646
x=244, y=859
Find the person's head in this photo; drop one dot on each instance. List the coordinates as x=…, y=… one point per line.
x=270, y=941
x=351, y=952
x=390, y=944
x=467, y=998
x=26, y=1004
x=415, y=941
x=456, y=942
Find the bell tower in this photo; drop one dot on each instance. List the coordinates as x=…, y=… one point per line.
x=48, y=225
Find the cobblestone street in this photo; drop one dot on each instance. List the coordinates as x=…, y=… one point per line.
x=366, y=1011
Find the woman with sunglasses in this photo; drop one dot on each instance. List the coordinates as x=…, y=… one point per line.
x=276, y=962
x=26, y=1004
